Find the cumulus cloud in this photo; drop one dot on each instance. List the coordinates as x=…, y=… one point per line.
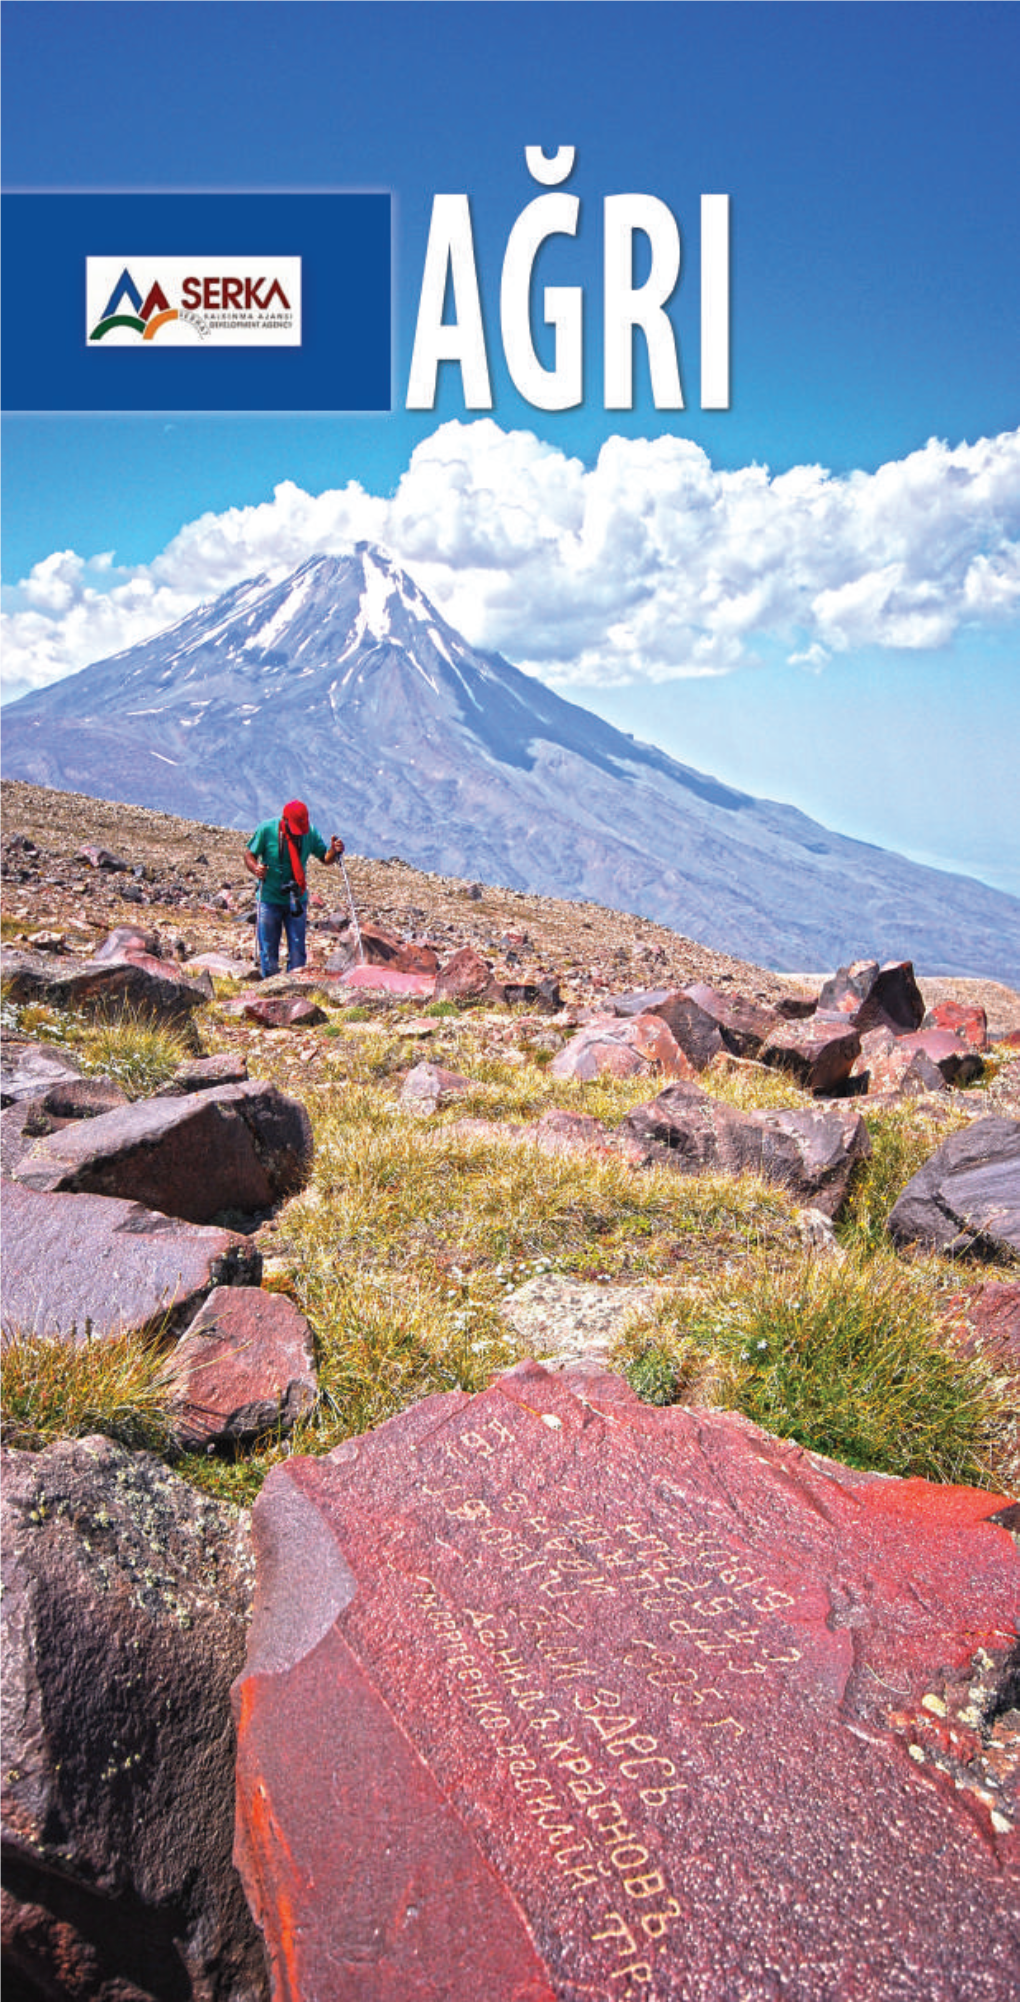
x=649, y=566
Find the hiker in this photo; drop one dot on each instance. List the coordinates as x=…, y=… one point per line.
x=276, y=855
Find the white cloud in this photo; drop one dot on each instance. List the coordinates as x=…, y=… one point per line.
x=649, y=566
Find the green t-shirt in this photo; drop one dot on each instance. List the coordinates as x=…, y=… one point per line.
x=265, y=846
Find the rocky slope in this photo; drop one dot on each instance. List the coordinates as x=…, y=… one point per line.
x=186, y=878
x=344, y=684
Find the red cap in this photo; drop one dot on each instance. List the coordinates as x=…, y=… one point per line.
x=295, y=813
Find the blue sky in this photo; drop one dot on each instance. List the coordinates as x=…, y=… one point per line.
x=871, y=156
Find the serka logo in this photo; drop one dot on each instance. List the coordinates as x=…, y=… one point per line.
x=146, y=319
x=194, y=301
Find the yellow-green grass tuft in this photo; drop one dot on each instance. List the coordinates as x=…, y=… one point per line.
x=139, y=1053
x=903, y=1138
x=848, y=1356
x=113, y=1384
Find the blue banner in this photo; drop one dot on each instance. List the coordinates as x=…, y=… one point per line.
x=254, y=302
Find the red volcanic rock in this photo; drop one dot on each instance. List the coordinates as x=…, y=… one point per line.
x=30, y=1119
x=383, y=948
x=957, y=1061
x=465, y=977
x=428, y=1086
x=611, y=1047
x=742, y=1024
x=550, y=1694
x=796, y=1007
x=283, y=1011
x=849, y=986
x=888, y=1066
x=71, y=1263
x=989, y=1320
x=696, y=1032
x=811, y=1153
x=221, y=963
x=237, y=1147
x=640, y=1000
x=152, y=986
x=126, y=1598
x=204, y=1073
x=874, y=995
x=970, y=1023
x=386, y=980
x=818, y=1051
x=559, y=1132
x=101, y=858
x=244, y=1366
x=28, y=1070
x=128, y=942
x=996, y=1319
x=82, y=1098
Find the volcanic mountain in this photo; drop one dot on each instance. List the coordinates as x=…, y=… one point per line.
x=344, y=686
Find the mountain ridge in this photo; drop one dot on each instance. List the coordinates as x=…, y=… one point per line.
x=344, y=684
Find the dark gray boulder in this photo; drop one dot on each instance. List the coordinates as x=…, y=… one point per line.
x=126, y=1601
x=966, y=1198
x=811, y=1153
x=239, y=1148
x=151, y=986
x=876, y=996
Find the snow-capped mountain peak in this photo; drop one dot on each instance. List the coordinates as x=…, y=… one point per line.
x=342, y=684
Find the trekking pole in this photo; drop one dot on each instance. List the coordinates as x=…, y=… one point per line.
x=354, y=914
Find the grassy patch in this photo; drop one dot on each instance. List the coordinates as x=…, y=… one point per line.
x=55, y=1389
x=404, y=1247
x=847, y=1357
x=902, y=1140
x=751, y=1087
x=139, y=1053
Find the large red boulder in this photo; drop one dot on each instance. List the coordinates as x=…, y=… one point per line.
x=888, y=1066
x=970, y=1023
x=244, y=1366
x=876, y=996
x=818, y=1051
x=742, y=1024
x=551, y=1694
x=465, y=977
x=614, y=1047
x=384, y=948
x=388, y=980
x=128, y=942
x=282, y=1011
x=694, y=1030
x=75, y=1265
x=957, y=1060
x=27, y=1070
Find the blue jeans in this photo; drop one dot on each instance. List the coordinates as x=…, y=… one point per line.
x=273, y=919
